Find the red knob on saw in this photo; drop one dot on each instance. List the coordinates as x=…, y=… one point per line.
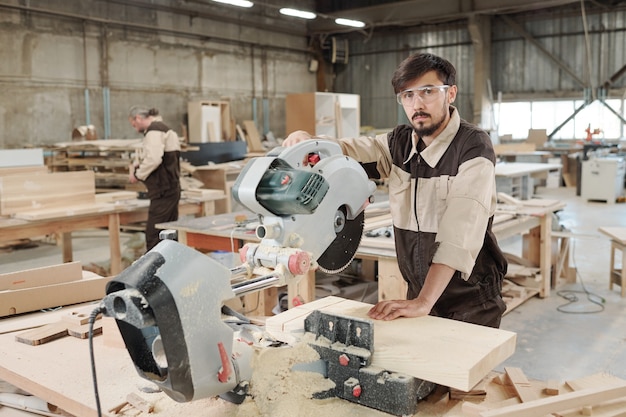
x=299, y=263
x=313, y=159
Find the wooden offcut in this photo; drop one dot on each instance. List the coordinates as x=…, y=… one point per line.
x=56, y=330
x=447, y=352
x=556, y=403
x=520, y=383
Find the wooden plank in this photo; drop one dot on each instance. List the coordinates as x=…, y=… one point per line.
x=253, y=137
x=58, y=329
x=447, y=352
x=139, y=403
x=616, y=233
x=91, y=287
x=520, y=383
x=37, y=277
x=113, y=196
x=593, y=381
x=65, y=211
x=31, y=170
x=40, y=318
x=43, y=334
x=31, y=192
x=559, y=402
x=82, y=331
x=552, y=387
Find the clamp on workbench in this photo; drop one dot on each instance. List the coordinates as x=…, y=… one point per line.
x=346, y=346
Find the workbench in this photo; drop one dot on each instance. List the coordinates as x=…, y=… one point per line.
x=533, y=219
x=110, y=216
x=617, y=266
x=59, y=372
x=516, y=178
x=535, y=157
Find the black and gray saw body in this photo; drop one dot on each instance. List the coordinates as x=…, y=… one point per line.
x=168, y=305
x=310, y=197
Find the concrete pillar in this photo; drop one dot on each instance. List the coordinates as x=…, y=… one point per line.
x=479, y=27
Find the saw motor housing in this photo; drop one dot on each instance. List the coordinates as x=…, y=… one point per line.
x=316, y=206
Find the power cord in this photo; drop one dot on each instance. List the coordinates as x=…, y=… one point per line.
x=572, y=297
x=92, y=319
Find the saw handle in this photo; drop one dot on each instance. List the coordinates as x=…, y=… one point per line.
x=298, y=155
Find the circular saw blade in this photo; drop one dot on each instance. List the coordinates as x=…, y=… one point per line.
x=341, y=251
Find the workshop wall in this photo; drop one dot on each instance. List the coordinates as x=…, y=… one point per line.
x=71, y=63
x=372, y=63
x=519, y=70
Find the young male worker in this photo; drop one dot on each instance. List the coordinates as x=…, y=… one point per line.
x=440, y=171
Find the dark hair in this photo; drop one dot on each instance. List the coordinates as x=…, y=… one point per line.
x=419, y=64
x=142, y=111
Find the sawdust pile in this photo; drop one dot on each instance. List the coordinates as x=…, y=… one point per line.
x=278, y=391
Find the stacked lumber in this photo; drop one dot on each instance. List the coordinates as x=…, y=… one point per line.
x=47, y=287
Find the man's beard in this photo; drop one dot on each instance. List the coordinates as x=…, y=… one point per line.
x=422, y=130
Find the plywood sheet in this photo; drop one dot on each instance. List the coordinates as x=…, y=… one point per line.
x=19, y=193
x=447, y=352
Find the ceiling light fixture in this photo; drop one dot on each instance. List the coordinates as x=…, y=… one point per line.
x=240, y=3
x=297, y=13
x=350, y=22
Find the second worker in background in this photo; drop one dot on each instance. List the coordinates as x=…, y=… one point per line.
x=158, y=169
x=440, y=171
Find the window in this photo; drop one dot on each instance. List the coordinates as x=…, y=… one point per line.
x=516, y=118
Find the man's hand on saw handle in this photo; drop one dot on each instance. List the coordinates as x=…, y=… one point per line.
x=296, y=137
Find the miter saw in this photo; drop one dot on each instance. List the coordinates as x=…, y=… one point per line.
x=310, y=200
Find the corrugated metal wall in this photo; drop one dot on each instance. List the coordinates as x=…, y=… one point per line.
x=372, y=63
x=519, y=69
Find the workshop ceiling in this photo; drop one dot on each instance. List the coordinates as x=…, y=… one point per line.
x=379, y=14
